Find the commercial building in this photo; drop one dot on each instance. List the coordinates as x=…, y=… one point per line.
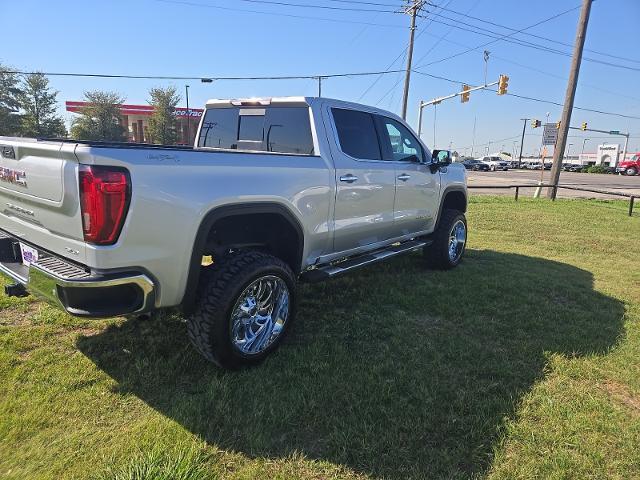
x=135, y=120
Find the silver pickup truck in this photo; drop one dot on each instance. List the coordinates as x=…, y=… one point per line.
x=275, y=191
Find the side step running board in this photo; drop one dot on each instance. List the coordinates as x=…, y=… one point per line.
x=338, y=268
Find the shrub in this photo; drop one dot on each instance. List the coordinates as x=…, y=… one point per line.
x=597, y=169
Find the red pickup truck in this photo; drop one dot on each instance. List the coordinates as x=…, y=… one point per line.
x=630, y=167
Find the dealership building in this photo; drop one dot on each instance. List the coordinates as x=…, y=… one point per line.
x=135, y=120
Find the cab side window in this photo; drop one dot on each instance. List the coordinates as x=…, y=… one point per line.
x=399, y=144
x=357, y=134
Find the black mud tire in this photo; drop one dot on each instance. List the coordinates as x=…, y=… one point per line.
x=218, y=290
x=437, y=254
x=631, y=172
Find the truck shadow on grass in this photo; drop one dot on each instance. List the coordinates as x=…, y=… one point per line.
x=395, y=371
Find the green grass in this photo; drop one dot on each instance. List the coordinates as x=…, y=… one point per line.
x=524, y=362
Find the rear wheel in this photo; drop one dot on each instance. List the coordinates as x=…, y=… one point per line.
x=245, y=306
x=631, y=171
x=449, y=241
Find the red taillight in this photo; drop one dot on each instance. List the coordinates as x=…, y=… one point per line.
x=104, y=201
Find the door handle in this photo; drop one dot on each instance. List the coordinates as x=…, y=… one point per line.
x=404, y=177
x=348, y=178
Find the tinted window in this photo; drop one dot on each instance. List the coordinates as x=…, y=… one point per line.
x=401, y=144
x=251, y=127
x=287, y=130
x=220, y=128
x=279, y=129
x=357, y=134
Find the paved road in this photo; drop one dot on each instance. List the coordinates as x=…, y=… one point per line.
x=615, y=183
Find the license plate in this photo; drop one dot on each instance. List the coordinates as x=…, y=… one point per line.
x=29, y=254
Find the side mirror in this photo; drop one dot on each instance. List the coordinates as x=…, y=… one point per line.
x=440, y=158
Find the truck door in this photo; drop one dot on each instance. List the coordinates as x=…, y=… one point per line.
x=365, y=182
x=417, y=187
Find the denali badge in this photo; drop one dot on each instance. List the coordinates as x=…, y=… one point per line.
x=18, y=209
x=15, y=177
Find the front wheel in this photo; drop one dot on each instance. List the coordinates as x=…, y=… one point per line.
x=245, y=306
x=631, y=171
x=449, y=241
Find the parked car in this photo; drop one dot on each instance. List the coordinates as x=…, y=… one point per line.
x=275, y=191
x=533, y=166
x=576, y=168
x=495, y=163
x=629, y=167
x=475, y=165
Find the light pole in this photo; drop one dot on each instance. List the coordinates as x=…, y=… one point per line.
x=188, y=139
x=569, y=151
x=583, y=142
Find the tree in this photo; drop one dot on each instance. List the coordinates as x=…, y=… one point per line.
x=162, y=124
x=100, y=119
x=9, y=104
x=38, y=103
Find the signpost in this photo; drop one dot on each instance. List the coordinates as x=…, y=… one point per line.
x=550, y=134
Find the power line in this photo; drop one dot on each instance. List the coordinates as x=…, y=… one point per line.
x=277, y=14
x=543, y=72
x=491, y=42
x=553, y=17
x=584, y=109
x=401, y=54
x=357, y=2
x=423, y=30
x=524, y=97
x=324, y=7
x=170, y=77
x=483, y=20
x=299, y=77
x=516, y=41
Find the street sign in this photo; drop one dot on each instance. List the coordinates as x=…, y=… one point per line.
x=550, y=134
x=615, y=132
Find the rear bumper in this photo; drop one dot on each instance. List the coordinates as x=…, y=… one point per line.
x=78, y=290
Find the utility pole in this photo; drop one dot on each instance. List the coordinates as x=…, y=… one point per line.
x=626, y=144
x=525, y=120
x=569, y=97
x=188, y=139
x=413, y=11
x=473, y=141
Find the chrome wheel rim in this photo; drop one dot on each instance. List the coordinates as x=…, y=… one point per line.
x=259, y=315
x=457, y=240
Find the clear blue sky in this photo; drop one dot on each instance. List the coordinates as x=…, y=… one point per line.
x=192, y=38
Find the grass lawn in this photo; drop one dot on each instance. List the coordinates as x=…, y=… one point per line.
x=524, y=362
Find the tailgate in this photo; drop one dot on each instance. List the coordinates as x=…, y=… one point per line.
x=39, y=200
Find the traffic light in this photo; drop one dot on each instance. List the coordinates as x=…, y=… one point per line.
x=535, y=123
x=584, y=125
x=465, y=94
x=503, y=83
x=558, y=124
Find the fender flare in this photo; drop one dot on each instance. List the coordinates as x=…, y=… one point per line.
x=448, y=190
x=224, y=211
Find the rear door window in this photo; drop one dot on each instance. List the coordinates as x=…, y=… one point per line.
x=357, y=134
